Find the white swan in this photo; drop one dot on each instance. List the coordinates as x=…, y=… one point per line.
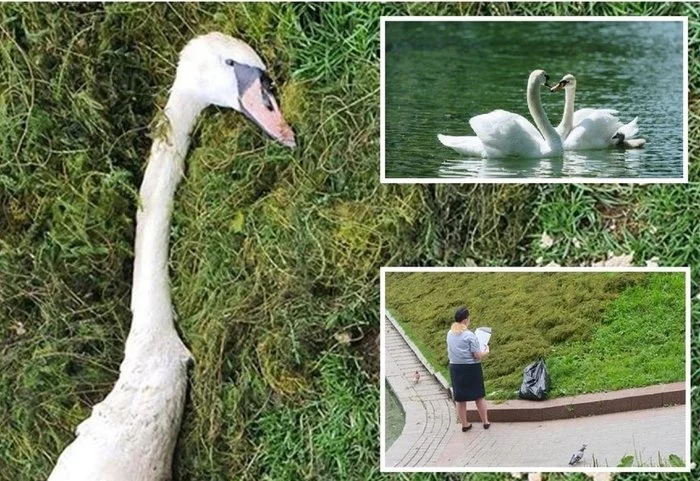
x=505, y=134
x=593, y=129
x=131, y=434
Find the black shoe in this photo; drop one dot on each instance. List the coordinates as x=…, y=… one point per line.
x=466, y=428
x=487, y=425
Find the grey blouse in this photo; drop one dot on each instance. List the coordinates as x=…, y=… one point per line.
x=461, y=347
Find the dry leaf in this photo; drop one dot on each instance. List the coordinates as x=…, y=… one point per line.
x=546, y=241
x=343, y=337
x=19, y=328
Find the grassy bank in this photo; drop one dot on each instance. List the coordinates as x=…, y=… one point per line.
x=640, y=342
x=597, y=331
x=275, y=254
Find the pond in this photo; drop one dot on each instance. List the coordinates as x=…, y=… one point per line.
x=395, y=417
x=440, y=74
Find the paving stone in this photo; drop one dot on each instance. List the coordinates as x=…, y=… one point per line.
x=432, y=435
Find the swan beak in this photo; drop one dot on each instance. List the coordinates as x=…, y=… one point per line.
x=260, y=106
x=558, y=86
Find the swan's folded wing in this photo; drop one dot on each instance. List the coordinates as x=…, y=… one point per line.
x=581, y=114
x=593, y=132
x=630, y=130
x=505, y=134
x=470, y=146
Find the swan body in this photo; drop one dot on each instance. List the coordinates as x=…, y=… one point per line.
x=506, y=134
x=131, y=434
x=592, y=129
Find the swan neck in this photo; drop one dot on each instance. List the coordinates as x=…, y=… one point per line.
x=150, y=297
x=534, y=103
x=568, y=119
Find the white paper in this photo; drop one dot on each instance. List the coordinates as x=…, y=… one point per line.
x=483, y=334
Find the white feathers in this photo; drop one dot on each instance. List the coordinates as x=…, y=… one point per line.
x=131, y=434
x=592, y=129
x=506, y=134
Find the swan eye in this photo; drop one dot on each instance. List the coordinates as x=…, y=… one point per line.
x=230, y=62
x=267, y=90
x=546, y=77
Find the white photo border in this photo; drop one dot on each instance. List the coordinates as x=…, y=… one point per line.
x=521, y=469
x=526, y=180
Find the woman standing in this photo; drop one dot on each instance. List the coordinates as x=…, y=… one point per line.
x=465, y=357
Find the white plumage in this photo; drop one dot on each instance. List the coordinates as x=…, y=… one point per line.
x=131, y=434
x=588, y=128
x=506, y=134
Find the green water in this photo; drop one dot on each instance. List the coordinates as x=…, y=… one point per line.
x=440, y=74
x=395, y=418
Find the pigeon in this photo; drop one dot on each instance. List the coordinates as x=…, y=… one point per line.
x=577, y=456
x=416, y=377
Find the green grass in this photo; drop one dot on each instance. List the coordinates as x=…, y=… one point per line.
x=274, y=253
x=641, y=342
x=597, y=331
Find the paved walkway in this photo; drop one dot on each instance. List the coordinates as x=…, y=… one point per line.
x=432, y=436
x=430, y=415
x=646, y=434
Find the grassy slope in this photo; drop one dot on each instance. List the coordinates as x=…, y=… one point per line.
x=641, y=342
x=259, y=301
x=595, y=336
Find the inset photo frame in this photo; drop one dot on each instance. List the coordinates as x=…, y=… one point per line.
x=534, y=99
x=535, y=369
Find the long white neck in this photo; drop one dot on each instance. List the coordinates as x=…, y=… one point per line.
x=534, y=104
x=567, y=120
x=150, y=296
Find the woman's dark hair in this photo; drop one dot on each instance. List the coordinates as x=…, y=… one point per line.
x=461, y=314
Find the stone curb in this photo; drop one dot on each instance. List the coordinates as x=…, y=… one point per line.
x=589, y=404
x=567, y=407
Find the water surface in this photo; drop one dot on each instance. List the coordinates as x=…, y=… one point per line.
x=440, y=74
x=395, y=418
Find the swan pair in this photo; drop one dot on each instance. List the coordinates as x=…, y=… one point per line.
x=505, y=134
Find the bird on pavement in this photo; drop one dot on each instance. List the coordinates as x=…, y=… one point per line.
x=577, y=456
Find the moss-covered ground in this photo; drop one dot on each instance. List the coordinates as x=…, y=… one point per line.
x=596, y=331
x=275, y=254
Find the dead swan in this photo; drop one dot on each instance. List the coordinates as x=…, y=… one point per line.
x=131, y=434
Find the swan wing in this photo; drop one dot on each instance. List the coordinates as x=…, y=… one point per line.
x=593, y=132
x=505, y=134
x=470, y=146
x=581, y=114
x=630, y=130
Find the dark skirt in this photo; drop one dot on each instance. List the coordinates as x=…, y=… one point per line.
x=467, y=382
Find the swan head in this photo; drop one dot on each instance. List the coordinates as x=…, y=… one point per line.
x=539, y=77
x=568, y=81
x=216, y=69
x=618, y=139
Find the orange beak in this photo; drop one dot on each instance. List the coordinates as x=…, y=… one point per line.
x=558, y=86
x=261, y=107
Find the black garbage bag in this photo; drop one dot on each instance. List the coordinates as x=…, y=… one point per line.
x=535, y=382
